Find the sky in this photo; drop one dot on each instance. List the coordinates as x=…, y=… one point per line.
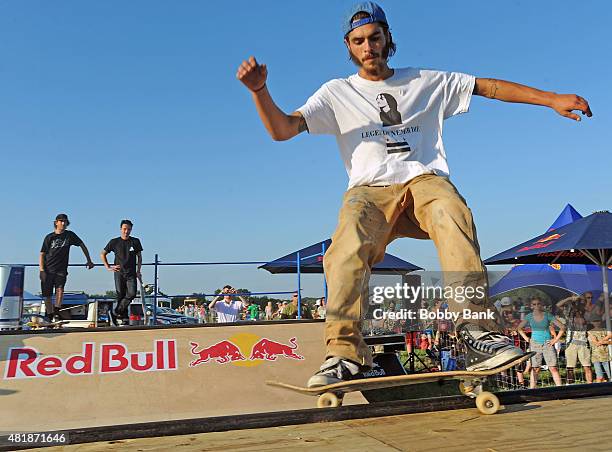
x=112, y=110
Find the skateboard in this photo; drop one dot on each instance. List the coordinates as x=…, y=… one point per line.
x=470, y=384
x=42, y=324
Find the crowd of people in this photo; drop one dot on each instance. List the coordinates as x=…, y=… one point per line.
x=565, y=334
x=231, y=306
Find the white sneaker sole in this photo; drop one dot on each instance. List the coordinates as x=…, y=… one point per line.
x=499, y=360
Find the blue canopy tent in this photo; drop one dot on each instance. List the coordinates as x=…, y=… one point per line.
x=584, y=241
x=555, y=280
x=310, y=260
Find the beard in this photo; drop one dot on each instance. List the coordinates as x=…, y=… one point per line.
x=372, y=67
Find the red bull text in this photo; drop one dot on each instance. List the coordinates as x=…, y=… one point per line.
x=28, y=362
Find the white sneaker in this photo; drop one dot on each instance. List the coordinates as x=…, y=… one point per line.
x=334, y=370
x=486, y=349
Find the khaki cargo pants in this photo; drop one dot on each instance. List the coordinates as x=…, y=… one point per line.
x=427, y=206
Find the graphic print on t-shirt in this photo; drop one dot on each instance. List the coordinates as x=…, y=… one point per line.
x=59, y=243
x=390, y=116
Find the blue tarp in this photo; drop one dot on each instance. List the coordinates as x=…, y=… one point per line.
x=556, y=280
x=312, y=262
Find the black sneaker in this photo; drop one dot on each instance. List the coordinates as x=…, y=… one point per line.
x=112, y=319
x=56, y=319
x=334, y=370
x=486, y=349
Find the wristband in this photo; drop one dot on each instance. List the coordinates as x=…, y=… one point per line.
x=259, y=89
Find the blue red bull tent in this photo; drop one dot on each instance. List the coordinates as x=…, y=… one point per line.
x=585, y=241
x=311, y=261
x=558, y=279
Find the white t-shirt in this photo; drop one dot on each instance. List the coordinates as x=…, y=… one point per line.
x=227, y=312
x=389, y=131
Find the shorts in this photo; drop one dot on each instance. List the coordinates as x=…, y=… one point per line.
x=51, y=281
x=574, y=352
x=546, y=351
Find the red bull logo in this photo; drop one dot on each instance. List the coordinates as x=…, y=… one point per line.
x=542, y=243
x=549, y=238
x=235, y=350
x=221, y=352
x=270, y=350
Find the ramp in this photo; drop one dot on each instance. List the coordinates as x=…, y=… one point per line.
x=63, y=380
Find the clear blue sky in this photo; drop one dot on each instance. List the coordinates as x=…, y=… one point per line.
x=114, y=109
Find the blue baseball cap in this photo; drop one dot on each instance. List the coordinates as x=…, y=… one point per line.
x=375, y=11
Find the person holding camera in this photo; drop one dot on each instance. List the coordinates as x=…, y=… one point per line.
x=229, y=309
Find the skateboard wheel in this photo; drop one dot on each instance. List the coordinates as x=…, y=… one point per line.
x=487, y=403
x=328, y=400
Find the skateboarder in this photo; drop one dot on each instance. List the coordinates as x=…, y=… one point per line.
x=388, y=125
x=126, y=268
x=53, y=262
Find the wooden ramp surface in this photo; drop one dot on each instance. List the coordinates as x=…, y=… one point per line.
x=574, y=424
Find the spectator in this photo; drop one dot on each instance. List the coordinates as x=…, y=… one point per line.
x=290, y=310
x=502, y=304
x=229, y=309
x=306, y=312
x=577, y=345
x=126, y=270
x=202, y=313
x=599, y=351
x=593, y=309
x=53, y=261
x=279, y=309
x=252, y=311
x=268, y=311
x=321, y=309
x=541, y=341
x=424, y=343
x=510, y=329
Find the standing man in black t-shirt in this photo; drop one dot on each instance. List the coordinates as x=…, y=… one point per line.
x=128, y=262
x=53, y=263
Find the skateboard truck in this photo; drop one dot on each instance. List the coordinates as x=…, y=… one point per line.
x=486, y=402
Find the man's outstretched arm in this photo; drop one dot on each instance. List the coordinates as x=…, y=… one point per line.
x=564, y=104
x=280, y=125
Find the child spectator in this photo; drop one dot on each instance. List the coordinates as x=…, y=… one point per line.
x=599, y=351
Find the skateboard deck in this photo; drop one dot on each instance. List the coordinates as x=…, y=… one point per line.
x=40, y=325
x=470, y=384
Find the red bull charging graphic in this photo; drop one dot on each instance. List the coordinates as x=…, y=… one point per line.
x=542, y=243
x=244, y=350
